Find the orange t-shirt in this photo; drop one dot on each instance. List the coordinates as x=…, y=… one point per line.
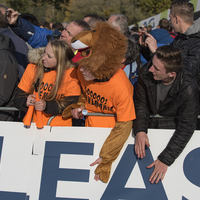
x=112, y=97
x=69, y=87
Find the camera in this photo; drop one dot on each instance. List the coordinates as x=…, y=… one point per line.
x=7, y=14
x=144, y=37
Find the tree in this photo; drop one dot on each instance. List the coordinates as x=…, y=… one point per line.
x=55, y=3
x=19, y=5
x=153, y=7
x=77, y=9
x=132, y=11
x=68, y=10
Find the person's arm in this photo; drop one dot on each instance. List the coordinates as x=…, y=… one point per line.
x=148, y=47
x=56, y=107
x=33, y=35
x=20, y=100
x=20, y=27
x=142, y=116
x=187, y=120
x=111, y=149
x=75, y=109
x=141, y=105
x=141, y=140
x=151, y=43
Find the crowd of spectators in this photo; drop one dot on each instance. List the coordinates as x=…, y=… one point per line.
x=162, y=64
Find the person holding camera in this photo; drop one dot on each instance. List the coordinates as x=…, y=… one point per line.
x=21, y=49
x=187, y=39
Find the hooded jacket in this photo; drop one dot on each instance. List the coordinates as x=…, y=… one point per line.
x=181, y=102
x=8, y=77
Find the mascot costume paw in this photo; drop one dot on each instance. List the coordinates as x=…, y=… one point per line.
x=101, y=52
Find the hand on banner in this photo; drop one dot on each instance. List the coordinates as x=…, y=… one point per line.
x=140, y=141
x=98, y=161
x=158, y=172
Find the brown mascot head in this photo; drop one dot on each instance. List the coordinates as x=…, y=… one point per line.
x=100, y=50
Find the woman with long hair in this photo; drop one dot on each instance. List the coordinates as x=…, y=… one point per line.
x=56, y=80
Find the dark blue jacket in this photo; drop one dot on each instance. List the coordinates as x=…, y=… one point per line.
x=21, y=49
x=33, y=35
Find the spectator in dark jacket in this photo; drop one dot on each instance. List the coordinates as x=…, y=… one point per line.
x=188, y=38
x=8, y=77
x=21, y=49
x=164, y=89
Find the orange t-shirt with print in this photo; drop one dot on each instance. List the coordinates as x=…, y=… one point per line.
x=69, y=87
x=112, y=97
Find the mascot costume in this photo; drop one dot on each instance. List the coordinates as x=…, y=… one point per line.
x=101, y=52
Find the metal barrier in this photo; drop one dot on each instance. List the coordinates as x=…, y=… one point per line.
x=9, y=108
x=84, y=112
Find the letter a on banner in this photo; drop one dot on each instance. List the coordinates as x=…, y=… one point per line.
x=116, y=187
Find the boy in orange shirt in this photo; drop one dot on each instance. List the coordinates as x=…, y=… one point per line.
x=106, y=89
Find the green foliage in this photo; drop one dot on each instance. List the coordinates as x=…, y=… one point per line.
x=77, y=9
x=153, y=7
x=68, y=10
x=55, y=3
x=19, y=5
x=132, y=11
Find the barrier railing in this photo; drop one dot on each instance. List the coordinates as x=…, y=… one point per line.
x=84, y=112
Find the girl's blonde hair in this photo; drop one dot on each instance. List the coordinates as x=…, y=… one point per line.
x=63, y=55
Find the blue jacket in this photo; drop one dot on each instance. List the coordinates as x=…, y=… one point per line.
x=33, y=35
x=162, y=36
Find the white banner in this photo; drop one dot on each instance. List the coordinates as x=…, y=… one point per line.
x=54, y=164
